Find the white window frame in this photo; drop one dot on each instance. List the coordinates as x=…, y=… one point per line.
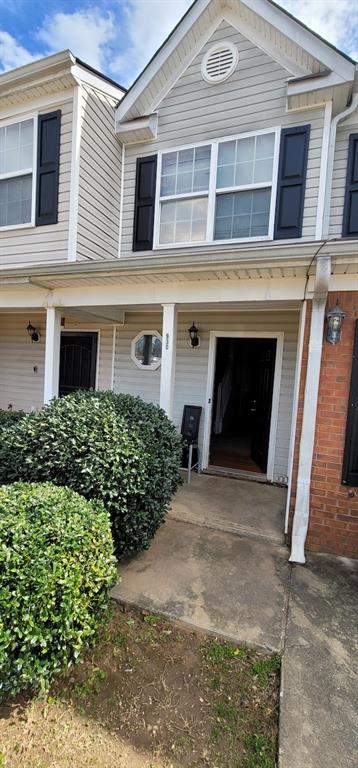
x=4, y=176
x=212, y=192
x=151, y=366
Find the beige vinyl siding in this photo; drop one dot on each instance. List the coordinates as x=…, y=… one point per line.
x=128, y=378
x=46, y=244
x=20, y=385
x=254, y=97
x=100, y=179
x=340, y=173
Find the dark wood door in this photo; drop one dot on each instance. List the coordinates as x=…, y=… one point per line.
x=261, y=400
x=77, y=361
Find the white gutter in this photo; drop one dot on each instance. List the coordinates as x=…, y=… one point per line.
x=302, y=506
x=331, y=149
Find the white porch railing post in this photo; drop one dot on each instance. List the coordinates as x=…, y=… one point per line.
x=52, y=353
x=169, y=343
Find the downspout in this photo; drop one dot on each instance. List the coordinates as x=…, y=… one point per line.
x=302, y=505
x=331, y=149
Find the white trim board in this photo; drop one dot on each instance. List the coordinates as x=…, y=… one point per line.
x=214, y=335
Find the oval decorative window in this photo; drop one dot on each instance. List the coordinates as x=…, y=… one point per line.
x=146, y=350
x=219, y=62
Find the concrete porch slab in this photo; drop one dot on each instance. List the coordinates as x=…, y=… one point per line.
x=215, y=581
x=319, y=707
x=229, y=504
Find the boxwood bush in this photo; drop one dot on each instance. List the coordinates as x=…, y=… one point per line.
x=113, y=448
x=56, y=568
x=8, y=418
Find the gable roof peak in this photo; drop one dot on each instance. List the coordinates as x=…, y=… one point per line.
x=265, y=22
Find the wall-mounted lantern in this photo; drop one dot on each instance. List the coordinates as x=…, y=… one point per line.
x=34, y=333
x=194, y=336
x=335, y=317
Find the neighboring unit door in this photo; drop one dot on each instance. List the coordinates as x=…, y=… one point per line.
x=350, y=461
x=77, y=361
x=261, y=401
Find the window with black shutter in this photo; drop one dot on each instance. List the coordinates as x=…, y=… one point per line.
x=291, y=182
x=350, y=462
x=350, y=214
x=48, y=158
x=144, y=203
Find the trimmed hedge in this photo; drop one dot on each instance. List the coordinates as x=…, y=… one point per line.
x=8, y=418
x=56, y=569
x=113, y=448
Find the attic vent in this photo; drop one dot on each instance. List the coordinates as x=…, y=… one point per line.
x=219, y=62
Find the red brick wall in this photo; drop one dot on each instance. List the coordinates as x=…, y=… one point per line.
x=333, y=523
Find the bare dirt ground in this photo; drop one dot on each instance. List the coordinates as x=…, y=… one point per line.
x=151, y=694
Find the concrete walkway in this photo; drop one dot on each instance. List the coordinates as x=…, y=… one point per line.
x=216, y=581
x=232, y=505
x=242, y=587
x=319, y=707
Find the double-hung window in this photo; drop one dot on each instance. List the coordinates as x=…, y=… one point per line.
x=17, y=141
x=184, y=191
x=219, y=192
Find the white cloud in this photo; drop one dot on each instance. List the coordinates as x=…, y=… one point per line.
x=147, y=24
x=335, y=20
x=12, y=54
x=85, y=33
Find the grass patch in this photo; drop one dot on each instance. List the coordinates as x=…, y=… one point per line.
x=151, y=694
x=264, y=668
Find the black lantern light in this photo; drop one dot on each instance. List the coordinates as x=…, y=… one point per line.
x=194, y=336
x=335, y=319
x=34, y=333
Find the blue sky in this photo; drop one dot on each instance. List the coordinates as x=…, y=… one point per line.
x=119, y=36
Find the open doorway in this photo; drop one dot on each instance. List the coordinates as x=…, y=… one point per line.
x=242, y=404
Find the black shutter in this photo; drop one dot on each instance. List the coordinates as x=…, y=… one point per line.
x=350, y=214
x=291, y=182
x=48, y=154
x=144, y=203
x=350, y=461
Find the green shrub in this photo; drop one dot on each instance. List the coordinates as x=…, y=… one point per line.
x=56, y=568
x=113, y=448
x=8, y=418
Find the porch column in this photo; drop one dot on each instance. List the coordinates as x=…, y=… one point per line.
x=169, y=343
x=308, y=432
x=52, y=353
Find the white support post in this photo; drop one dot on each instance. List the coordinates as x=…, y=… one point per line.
x=169, y=343
x=302, y=505
x=52, y=353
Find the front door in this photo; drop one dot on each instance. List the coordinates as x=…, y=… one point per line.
x=242, y=403
x=261, y=403
x=77, y=361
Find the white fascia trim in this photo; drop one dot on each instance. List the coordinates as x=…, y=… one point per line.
x=161, y=57
x=75, y=173
x=330, y=160
x=82, y=75
x=36, y=67
x=149, y=123
x=303, y=37
x=311, y=85
x=302, y=505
